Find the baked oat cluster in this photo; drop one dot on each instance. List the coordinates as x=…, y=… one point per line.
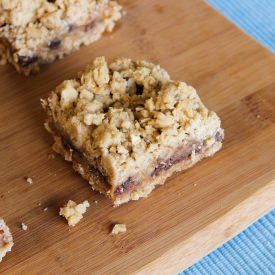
x=39, y=31
x=119, y=228
x=73, y=212
x=6, y=240
x=127, y=116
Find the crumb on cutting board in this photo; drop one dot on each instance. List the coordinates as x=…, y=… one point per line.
x=24, y=226
x=73, y=212
x=28, y=180
x=119, y=228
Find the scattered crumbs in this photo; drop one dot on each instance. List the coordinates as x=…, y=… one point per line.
x=24, y=226
x=258, y=116
x=45, y=209
x=195, y=184
x=119, y=228
x=39, y=203
x=51, y=156
x=28, y=180
x=73, y=212
x=95, y=202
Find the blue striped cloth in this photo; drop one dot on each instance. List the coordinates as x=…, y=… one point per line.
x=253, y=250
x=250, y=252
x=255, y=17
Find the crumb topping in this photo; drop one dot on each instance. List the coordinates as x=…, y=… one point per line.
x=73, y=212
x=128, y=109
x=27, y=24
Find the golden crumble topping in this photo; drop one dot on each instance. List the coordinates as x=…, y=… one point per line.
x=128, y=107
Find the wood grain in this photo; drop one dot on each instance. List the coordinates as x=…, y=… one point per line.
x=196, y=210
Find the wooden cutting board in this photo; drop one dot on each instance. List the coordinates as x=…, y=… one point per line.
x=196, y=210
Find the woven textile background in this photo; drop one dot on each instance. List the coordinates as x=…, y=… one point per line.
x=251, y=252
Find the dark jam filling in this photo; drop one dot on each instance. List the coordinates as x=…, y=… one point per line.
x=54, y=44
x=165, y=165
x=89, y=26
x=79, y=158
x=127, y=185
x=25, y=61
x=139, y=89
x=218, y=137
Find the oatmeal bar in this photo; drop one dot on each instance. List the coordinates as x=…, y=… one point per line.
x=37, y=32
x=127, y=127
x=73, y=212
x=6, y=241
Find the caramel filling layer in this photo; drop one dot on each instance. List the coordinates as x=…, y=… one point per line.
x=183, y=153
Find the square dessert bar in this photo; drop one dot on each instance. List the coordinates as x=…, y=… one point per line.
x=127, y=126
x=6, y=241
x=37, y=32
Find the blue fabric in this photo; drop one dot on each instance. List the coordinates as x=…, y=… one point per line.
x=250, y=252
x=253, y=250
x=255, y=17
